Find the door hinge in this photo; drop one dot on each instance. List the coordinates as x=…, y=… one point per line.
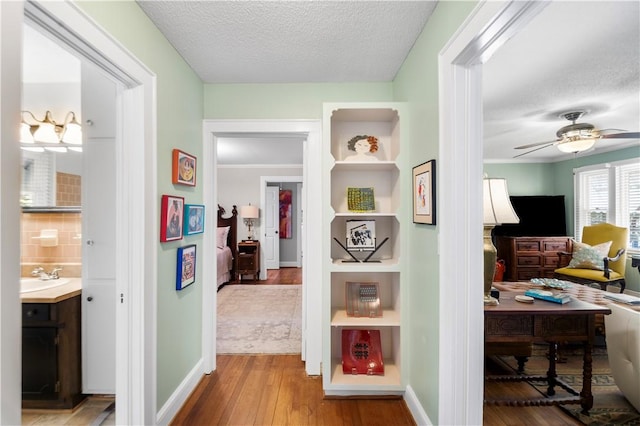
x=56, y=340
x=121, y=297
x=58, y=386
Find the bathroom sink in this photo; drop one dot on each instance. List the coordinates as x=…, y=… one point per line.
x=35, y=284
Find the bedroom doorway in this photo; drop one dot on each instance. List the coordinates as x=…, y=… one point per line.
x=282, y=198
x=310, y=131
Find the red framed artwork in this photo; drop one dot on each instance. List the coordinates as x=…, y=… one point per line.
x=184, y=168
x=171, y=218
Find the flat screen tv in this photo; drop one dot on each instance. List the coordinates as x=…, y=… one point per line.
x=540, y=216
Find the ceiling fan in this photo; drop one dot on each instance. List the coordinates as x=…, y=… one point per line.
x=578, y=137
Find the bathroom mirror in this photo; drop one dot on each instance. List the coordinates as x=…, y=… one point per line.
x=51, y=181
x=50, y=82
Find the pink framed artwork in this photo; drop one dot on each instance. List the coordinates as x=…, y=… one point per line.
x=171, y=218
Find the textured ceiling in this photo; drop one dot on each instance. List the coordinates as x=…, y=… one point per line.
x=291, y=41
x=572, y=56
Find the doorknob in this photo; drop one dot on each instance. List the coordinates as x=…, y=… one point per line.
x=89, y=242
x=89, y=299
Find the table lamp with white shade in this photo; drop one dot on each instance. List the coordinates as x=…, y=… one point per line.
x=249, y=214
x=497, y=210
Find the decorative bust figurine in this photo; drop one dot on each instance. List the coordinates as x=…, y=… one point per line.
x=364, y=146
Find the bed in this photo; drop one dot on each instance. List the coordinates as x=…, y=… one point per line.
x=227, y=245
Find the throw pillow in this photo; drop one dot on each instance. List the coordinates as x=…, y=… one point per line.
x=589, y=257
x=221, y=236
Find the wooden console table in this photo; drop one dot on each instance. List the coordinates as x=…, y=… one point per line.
x=542, y=321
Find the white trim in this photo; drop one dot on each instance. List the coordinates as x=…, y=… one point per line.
x=10, y=311
x=461, y=350
x=178, y=398
x=419, y=415
x=136, y=223
x=312, y=288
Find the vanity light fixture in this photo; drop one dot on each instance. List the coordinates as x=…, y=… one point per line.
x=47, y=135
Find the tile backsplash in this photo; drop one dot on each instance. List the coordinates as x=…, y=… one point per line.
x=68, y=252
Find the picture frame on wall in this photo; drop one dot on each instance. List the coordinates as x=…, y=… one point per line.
x=424, y=193
x=171, y=218
x=184, y=168
x=193, y=219
x=186, y=266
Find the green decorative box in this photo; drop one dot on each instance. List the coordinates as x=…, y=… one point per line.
x=360, y=200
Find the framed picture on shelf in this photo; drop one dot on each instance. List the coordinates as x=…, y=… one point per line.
x=184, y=168
x=424, y=193
x=186, y=266
x=171, y=213
x=361, y=235
x=193, y=219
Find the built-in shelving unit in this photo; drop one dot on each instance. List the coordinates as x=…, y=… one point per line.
x=384, y=173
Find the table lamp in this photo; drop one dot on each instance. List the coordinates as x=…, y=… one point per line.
x=497, y=210
x=249, y=214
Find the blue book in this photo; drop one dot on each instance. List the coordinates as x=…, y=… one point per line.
x=548, y=296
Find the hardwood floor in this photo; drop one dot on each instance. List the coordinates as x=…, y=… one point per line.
x=277, y=276
x=275, y=390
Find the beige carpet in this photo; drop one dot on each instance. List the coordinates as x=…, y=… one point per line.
x=259, y=319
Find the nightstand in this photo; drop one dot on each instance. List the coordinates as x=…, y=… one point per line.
x=248, y=261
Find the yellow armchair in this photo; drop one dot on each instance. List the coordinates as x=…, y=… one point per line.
x=613, y=265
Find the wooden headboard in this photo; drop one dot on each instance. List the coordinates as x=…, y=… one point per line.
x=232, y=237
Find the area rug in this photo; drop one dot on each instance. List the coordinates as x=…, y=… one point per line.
x=259, y=319
x=610, y=407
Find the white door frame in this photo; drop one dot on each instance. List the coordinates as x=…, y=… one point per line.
x=264, y=181
x=461, y=344
x=135, y=189
x=312, y=269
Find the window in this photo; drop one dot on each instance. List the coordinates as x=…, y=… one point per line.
x=609, y=192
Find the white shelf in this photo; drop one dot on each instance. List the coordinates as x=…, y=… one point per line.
x=365, y=384
x=389, y=318
x=383, y=174
x=375, y=166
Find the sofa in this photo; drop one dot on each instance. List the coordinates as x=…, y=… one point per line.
x=623, y=349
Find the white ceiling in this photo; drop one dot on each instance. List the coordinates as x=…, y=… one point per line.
x=573, y=55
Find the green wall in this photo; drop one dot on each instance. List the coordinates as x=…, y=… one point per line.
x=417, y=84
x=179, y=125
x=285, y=101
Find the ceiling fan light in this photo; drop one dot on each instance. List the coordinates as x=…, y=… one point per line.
x=576, y=145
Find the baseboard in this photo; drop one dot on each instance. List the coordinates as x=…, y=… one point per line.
x=418, y=413
x=289, y=265
x=179, y=397
x=632, y=293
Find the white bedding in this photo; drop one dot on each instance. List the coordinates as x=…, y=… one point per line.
x=225, y=263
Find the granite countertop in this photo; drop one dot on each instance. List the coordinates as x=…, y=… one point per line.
x=55, y=294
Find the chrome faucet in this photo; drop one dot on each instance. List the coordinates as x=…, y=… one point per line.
x=45, y=276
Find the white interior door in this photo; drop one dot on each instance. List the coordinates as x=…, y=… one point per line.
x=98, y=233
x=272, y=226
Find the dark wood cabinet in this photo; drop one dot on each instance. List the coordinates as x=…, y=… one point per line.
x=531, y=257
x=51, y=354
x=248, y=259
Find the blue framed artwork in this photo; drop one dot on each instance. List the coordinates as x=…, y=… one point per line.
x=193, y=219
x=186, y=268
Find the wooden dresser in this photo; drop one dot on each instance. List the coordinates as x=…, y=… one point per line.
x=531, y=257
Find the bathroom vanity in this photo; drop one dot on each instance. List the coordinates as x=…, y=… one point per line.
x=51, y=351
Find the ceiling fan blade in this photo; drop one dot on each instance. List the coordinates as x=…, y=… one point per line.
x=629, y=135
x=531, y=145
x=537, y=149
